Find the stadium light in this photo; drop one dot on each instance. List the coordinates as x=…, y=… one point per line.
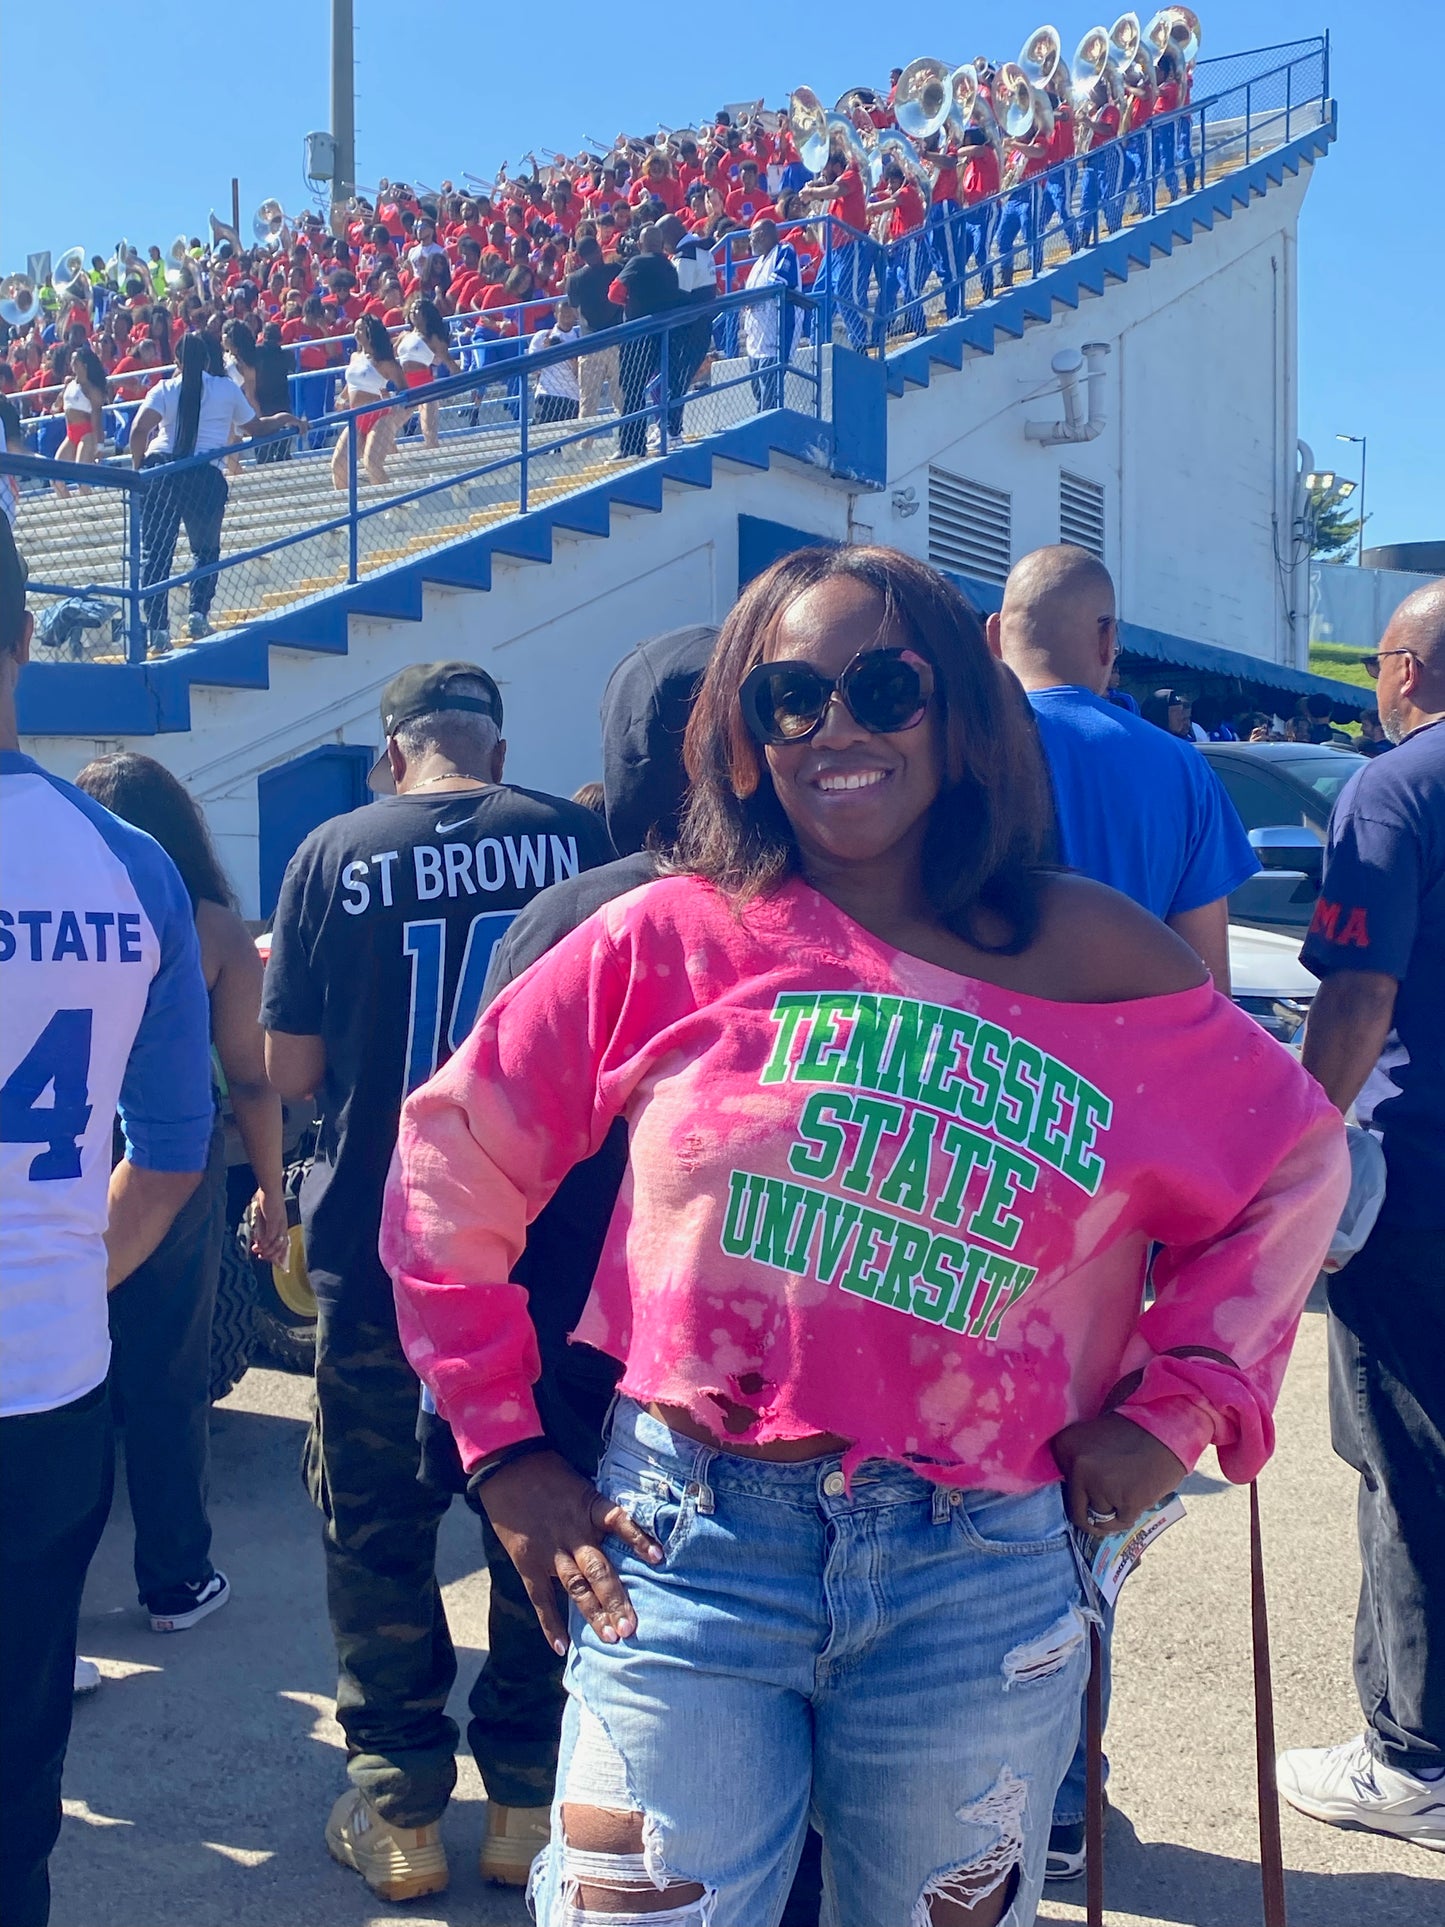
x=1363, y=441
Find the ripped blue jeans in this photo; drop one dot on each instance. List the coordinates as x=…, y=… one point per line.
x=902, y=1663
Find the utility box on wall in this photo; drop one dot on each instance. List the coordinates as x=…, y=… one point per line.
x=294, y=797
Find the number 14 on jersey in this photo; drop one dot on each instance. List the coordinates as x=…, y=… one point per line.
x=425, y=942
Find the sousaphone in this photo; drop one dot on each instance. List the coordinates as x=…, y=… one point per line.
x=924, y=99
x=19, y=303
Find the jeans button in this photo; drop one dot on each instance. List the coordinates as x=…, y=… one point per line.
x=955, y=1498
x=835, y=1485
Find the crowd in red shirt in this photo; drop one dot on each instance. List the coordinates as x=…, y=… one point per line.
x=502, y=257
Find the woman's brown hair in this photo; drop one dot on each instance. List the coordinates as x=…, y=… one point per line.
x=989, y=833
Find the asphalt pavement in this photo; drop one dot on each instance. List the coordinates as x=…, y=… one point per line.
x=200, y=1776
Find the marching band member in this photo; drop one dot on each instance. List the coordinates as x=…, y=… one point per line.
x=1101, y=168
x=1019, y=221
x=1056, y=192
x=979, y=182
x=848, y=265
x=907, y=254
x=1166, y=102
x=946, y=238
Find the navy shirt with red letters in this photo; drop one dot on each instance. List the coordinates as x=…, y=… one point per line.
x=1382, y=907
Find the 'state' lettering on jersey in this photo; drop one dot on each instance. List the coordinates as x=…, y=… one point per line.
x=102, y=1009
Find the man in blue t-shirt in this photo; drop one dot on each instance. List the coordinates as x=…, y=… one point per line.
x=1137, y=809
x=1378, y=945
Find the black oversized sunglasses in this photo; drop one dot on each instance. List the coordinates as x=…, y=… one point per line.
x=884, y=690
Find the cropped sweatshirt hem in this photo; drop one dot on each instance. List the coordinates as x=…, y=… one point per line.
x=867, y=1196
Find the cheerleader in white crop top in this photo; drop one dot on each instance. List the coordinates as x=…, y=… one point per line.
x=425, y=354
x=83, y=405
x=367, y=374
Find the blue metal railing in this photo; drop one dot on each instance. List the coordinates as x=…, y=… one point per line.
x=650, y=367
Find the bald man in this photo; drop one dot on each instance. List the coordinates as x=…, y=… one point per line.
x=1138, y=809
x=1378, y=945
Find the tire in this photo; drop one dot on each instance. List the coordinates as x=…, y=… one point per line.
x=233, y=1323
x=288, y=1341
x=285, y=1310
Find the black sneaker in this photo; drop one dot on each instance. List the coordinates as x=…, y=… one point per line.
x=1068, y=1853
x=173, y=1611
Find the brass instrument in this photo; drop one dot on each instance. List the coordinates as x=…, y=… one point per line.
x=854, y=101
x=1041, y=57
x=19, y=303
x=1093, y=64
x=809, y=119
x=820, y=134
x=924, y=100
x=894, y=148
x=1027, y=118
x=69, y=278
x=269, y=226
x=1176, y=30
x=177, y=255
x=972, y=107
x=1134, y=57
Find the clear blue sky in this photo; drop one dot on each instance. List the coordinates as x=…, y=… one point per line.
x=186, y=97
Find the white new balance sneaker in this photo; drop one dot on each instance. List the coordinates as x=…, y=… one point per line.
x=1346, y=1786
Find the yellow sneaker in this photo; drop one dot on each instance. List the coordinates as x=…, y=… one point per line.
x=514, y=1838
x=397, y=1863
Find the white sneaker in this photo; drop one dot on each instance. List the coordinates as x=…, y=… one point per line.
x=87, y=1677
x=1346, y=1786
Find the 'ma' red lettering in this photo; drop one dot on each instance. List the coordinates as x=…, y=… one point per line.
x=1356, y=930
x=1325, y=921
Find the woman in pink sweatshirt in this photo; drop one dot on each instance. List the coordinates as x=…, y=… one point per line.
x=906, y=1111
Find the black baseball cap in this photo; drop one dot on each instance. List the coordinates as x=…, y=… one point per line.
x=420, y=690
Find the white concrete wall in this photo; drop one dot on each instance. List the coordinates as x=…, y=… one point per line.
x=550, y=634
x=1197, y=456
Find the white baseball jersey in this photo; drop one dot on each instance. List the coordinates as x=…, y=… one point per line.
x=103, y=1008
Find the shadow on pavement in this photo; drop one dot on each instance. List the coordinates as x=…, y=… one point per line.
x=1160, y=1881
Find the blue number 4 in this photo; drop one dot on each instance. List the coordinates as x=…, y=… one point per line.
x=60, y=1056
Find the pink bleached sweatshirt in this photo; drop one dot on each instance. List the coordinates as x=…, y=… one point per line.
x=868, y=1196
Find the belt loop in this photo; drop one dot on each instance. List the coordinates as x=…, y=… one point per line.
x=941, y=1506
x=698, y=1489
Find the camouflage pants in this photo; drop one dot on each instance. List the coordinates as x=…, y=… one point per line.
x=393, y=1647
x=394, y=1650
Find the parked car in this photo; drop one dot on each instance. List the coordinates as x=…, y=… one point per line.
x=1268, y=981
x=1284, y=793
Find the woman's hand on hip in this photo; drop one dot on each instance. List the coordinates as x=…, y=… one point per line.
x=1113, y=1472
x=552, y=1523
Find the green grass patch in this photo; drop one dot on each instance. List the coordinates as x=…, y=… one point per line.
x=1341, y=661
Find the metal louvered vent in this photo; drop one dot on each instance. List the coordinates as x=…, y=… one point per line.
x=970, y=527
x=1081, y=513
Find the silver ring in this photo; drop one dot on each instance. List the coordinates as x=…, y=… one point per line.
x=1101, y=1518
